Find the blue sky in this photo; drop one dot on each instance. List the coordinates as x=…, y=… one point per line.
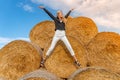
x=16, y=22
x=18, y=17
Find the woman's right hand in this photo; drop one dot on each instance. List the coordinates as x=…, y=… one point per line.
x=72, y=9
x=41, y=7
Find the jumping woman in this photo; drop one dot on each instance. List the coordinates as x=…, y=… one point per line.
x=60, y=22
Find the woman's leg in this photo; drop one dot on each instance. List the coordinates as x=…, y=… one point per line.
x=67, y=44
x=52, y=46
x=69, y=47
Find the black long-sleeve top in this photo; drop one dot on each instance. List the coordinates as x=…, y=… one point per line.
x=58, y=25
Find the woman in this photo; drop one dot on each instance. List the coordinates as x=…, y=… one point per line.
x=60, y=22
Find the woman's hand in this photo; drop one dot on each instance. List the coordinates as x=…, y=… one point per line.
x=72, y=9
x=41, y=7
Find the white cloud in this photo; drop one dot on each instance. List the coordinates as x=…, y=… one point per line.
x=104, y=12
x=26, y=7
x=4, y=40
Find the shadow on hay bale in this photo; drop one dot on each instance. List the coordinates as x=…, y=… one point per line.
x=40, y=75
x=94, y=73
x=18, y=58
x=82, y=28
x=104, y=51
x=61, y=62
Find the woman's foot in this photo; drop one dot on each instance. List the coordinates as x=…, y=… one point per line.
x=42, y=63
x=77, y=63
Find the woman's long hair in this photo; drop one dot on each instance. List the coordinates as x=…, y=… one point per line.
x=63, y=18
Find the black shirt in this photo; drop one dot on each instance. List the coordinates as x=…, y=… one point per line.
x=58, y=24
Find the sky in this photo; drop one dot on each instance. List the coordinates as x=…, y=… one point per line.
x=18, y=17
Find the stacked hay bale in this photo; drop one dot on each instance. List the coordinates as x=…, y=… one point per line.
x=79, y=31
x=82, y=28
x=40, y=74
x=94, y=73
x=104, y=51
x=61, y=62
x=42, y=33
x=99, y=49
x=18, y=58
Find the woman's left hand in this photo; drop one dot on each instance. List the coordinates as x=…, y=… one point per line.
x=72, y=9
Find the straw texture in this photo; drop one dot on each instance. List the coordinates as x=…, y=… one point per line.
x=42, y=33
x=82, y=28
x=61, y=62
x=104, y=51
x=40, y=74
x=18, y=58
x=94, y=73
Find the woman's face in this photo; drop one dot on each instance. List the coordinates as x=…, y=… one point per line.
x=60, y=14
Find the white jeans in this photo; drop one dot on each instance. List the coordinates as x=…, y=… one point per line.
x=60, y=35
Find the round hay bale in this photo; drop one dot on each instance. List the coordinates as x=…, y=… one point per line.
x=18, y=58
x=104, y=51
x=82, y=28
x=61, y=63
x=42, y=33
x=40, y=75
x=94, y=73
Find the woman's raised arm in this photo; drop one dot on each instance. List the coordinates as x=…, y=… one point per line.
x=49, y=13
x=66, y=16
